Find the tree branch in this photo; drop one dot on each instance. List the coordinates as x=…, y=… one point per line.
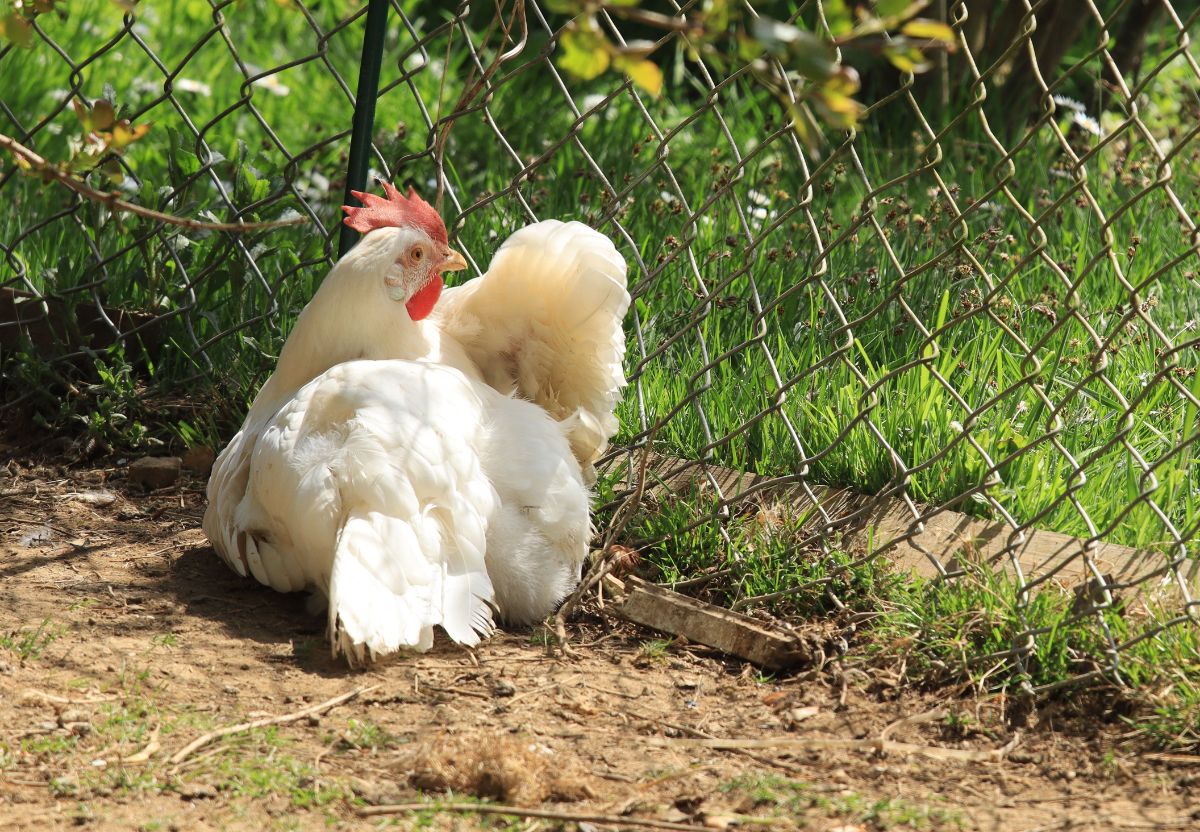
x=205, y=739
x=110, y=199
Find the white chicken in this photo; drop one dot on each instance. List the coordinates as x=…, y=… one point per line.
x=418, y=470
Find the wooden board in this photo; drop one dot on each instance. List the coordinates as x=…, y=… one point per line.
x=732, y=633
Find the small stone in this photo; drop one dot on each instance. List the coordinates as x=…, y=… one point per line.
x=71, y=715
x=230, y=689
x=155, y=471
x=376, y=793
x=314, y=720
x=64, y=785
x=199, y=459
x=100, y=498
x=503, y=688
x=197, y=791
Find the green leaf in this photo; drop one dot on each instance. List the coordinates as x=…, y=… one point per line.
x=716, y=16
x=803, y=124
x=898, y=8
x=906, y=58
x=643, y=73
x=256, y=188
x=125, y=134
x=838, y=16
x=585, y=53
x=112, y=171
x=17, y=29
x=799, y=49
x=748, y=48
x=103, y=114
x=571, y=7
x=82, y=113
x=838, y=110
x=844, y=82
x=925, y=29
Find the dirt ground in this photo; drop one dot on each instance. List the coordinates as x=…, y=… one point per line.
x=123, y=639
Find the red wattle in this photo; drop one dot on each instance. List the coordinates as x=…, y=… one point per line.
x=421, y=304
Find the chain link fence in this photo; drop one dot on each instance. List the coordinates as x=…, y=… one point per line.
x=960, y=338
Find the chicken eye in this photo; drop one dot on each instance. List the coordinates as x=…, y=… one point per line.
x=416, y=255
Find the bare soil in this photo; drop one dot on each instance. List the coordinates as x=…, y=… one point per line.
x=123, y=639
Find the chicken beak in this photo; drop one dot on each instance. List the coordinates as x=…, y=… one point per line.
x=452, y=261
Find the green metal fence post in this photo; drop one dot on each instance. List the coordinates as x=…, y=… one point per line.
x=364, y=112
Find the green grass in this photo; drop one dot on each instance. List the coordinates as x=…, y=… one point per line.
x=29, y=644
x=801, y=801
x=253, y=765
x=366, y=735
x=969, y=357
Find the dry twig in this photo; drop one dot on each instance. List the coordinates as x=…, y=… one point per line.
x=201, y=741
x=441, y=128
x=152, y=747
x=523, y=812
x=50, y=698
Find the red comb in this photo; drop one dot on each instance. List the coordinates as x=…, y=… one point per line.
x=394, y=211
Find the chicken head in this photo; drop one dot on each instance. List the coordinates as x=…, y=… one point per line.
x=408, y=239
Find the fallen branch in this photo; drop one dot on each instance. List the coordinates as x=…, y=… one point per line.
x=114, y=203
x=201, y=741
x=522, y=812
x=1174, y=759
x=50, y=698
x=879, y=745
x=934, y=715
x=152, y=747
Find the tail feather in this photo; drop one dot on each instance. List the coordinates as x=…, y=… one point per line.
x=387, y=594
x=546, y=321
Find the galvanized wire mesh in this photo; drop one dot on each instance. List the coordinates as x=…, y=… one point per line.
x=805, y=322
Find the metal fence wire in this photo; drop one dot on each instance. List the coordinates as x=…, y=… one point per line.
x=960, y=337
